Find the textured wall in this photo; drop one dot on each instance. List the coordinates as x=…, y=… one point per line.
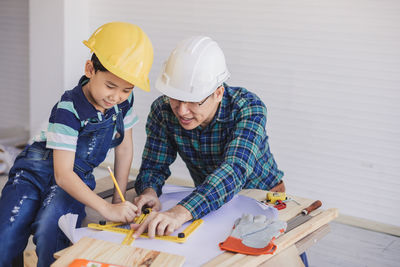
x=14, y=69
x=329, y=72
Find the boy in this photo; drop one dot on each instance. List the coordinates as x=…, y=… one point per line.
x=53, y=176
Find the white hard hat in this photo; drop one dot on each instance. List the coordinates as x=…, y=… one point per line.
x=194, y=70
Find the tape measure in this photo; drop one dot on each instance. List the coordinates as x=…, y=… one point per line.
x=124, y=228
x=272, y=197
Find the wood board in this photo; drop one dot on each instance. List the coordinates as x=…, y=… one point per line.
x=288, y=258
x=229, y=259
x=292, y=208
x=107, y=252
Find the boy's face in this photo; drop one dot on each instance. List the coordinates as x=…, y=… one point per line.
x=193, y=114
x=104, y=90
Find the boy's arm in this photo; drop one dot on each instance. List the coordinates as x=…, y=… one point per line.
x=70, y=182
x=122, y=164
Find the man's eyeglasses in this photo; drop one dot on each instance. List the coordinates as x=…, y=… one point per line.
x=191, y=105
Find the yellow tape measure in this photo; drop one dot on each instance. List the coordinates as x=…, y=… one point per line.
x=272, y=197
x=124, y=228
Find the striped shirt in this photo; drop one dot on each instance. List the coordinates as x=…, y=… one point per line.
x=70, y=115
x=229, y=154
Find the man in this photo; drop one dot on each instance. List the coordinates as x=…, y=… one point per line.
x=218, y=131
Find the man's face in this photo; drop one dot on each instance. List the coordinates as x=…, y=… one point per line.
x=193, y=114
x=104, y=90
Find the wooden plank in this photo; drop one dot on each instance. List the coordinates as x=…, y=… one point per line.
x=282, y=242
x=292, y=208
x=230, y=259
x=312, y=238
x=59, y=253
x=30, y=258
x=109, y=192
x=104, y=251
x=301, y=246
x=288, y=258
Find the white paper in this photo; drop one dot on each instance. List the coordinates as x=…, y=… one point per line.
x=169, y=188
x=202, y=245
x=67, y=224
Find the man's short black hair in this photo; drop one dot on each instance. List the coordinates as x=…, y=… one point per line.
x=97, y=64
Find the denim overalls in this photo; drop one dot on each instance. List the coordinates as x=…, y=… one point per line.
x=32, y=202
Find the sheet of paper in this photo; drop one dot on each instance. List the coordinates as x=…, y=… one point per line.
x=67, y=225
x=215, y=229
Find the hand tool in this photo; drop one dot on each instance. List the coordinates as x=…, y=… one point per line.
x=116, y=185
x=303, y=216
x=292, y=199
x=124, y=228
x=280, y=205
x=272, y=197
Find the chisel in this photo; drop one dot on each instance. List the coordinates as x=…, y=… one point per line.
x=303, y=216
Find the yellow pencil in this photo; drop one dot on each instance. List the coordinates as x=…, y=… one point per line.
x=116, y=184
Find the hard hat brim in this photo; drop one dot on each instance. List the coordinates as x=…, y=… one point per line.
x=179, y=94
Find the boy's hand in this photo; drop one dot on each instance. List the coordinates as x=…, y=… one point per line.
x=120, y=212
x=116, y=199
x=149, y=199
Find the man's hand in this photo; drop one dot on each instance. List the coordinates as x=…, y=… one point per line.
x=120, y=212
x=149, y=199
x=279, y=187
x=163, y=223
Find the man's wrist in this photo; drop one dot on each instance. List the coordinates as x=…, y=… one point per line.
x=149, y=191
x=181, y=213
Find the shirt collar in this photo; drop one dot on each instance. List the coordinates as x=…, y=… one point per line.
x=84, y=108
x=224, y=111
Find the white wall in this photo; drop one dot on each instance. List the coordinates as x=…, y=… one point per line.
x=329, y=72
x=46, y=66
x=57, y=55
x=76, y=29
x=14, y=70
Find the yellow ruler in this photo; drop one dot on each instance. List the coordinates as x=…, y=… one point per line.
x=124, y=228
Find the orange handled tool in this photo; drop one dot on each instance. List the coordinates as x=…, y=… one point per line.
x=315, y=205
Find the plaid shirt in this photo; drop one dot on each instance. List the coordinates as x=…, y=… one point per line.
x=229, y=154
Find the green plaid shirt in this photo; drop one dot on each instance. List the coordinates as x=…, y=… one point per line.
x=229, y=154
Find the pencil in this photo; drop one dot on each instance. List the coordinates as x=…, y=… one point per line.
x=116, y=184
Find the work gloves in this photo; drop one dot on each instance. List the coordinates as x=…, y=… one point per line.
x=254, y=235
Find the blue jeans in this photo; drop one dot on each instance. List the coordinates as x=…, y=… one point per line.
x=32, y=202
x=23, y=213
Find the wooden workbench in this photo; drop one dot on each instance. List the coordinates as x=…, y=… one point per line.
x=289, y=245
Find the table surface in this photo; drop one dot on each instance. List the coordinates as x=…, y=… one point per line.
x=318, y=222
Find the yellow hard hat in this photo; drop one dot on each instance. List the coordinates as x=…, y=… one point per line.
x=124, y=50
